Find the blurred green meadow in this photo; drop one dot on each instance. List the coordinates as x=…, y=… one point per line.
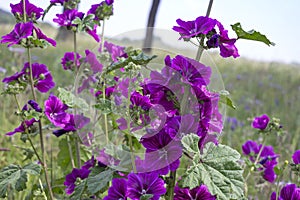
x=256, y=88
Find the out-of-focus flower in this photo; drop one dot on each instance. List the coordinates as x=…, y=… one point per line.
x=115, y=51
x=296, y=157
x=92, y=60
x=68, y=61
x=198, y=193
x=261, y=122
x=288, y=192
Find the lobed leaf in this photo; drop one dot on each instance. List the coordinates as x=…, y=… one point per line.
x=14, y=177
x=250, y=35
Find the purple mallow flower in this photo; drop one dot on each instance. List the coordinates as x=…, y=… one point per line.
x=92, y=60
x=288, y=192
x=205, y=26
x=115, y=51
x=99, y=11
x=76, y=173
x=296, y=157
x=267, y=159
x=93, y=33
x=21, y=129
x=66, y=18
x=261, y=122
x=162, y=152
x=42, y=78
x=198, y=193
x=141, y=184
x=41, y=36
x=118, y=190
x=21, y=31
x=68, y=62
x=190, y=29
x=32, y=12
x=55, y=111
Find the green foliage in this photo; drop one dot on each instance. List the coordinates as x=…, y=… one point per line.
x=71, y=100
x=78, y=191
x=14, y=177
x=146, y=196
x=134, y=57
x=218, y=170
x=225, y=99
x=250, y=35
x=96, y=182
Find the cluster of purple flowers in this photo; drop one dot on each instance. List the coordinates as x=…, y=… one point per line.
x=267, y=159
x=69, y=18
x=25, y=32
x=204, y=27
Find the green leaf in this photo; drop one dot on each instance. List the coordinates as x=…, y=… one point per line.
x=146, y=197
x=135, y=57
x=99, y=181
x=63, y=157
x=14, y=177
x=225, y=99
x=250, y=35
x=71, y=100
x=219, y=171
x=190, y=143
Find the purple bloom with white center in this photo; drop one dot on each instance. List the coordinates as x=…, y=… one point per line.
x=261, y=122
x=118, y=190
x=55, y=111
x=115, y=51
x=198, y=193
x=190, y=29
x=35, y=106
x=162, y=152
x=67, y=17
x=68, y=61
x=32, y=11
x=288, y=192
x=296, y=157
x=21, y=31
x=146, y=183
x=81, y=173
x=21, y=128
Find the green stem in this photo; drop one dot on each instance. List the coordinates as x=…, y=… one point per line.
x=128, y=128
x=171, y=185
x=76, y=139
x=102, y=36
x=200, y=48
x=105, y=115
x=70, y=151
x=279, y=178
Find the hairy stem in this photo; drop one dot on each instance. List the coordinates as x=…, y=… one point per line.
x=200, y=48
x=171, y=185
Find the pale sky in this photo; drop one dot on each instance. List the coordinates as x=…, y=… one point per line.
x=277, y=19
